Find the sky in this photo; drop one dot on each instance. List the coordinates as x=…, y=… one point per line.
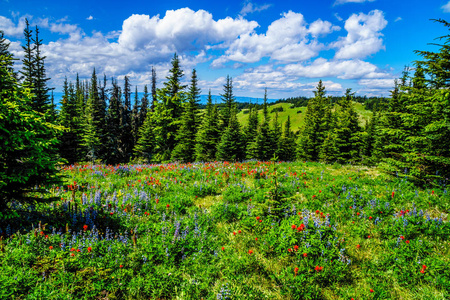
x=284, y=46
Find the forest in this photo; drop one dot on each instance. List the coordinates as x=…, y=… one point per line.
x=103, y=128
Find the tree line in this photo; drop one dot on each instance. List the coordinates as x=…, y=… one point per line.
x=106, y=121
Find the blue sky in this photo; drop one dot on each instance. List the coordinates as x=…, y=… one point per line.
x=286, y=46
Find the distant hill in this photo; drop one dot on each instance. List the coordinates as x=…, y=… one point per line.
x=297, y=114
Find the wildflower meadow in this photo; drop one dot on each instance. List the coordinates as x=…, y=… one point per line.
x=220, y=230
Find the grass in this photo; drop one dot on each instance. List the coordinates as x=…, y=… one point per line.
x=157, y=232
x=297, y=114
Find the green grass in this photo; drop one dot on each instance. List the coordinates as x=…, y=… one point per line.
x=167, y=224
x=297, y=119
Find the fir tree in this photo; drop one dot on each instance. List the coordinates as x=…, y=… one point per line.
x=251, y=133
x=144, y=107
x=92, y=134
x=28, y=69
x=153, y=89
x=135, y=117
x=229, y=100
x=126, y=137
x=185, y=148
x=288, y=145
x=114, y=150
x=208, y=135
x=41, y=99
x=263, y=141
x=231, y=146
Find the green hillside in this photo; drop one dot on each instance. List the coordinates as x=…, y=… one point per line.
x=297, y=114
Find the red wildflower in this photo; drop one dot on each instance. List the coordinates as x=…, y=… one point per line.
x=85, y=227
x=51, y=247
x=223, y=248
x=317, y=211
x=293, y=226
x=167, y=205
x=239, y=231
x=407, y=241
x=371, y=290
x=393, y=193
x=402, y=237
x=71, y=254
x=46, y=236
x=42, y=233
x=157, y=201
x=314, y=196
x=320, y=191
x=250, y=251
x=424, y=267
x=370, y=218
x=305, y=254
x=317, y=268
x=289, y=250
x=422, y=271
x=111, y=213
x=257, y=218
x=89, y=249
x=78, y=250
x=121, y=266
x=260, y=221
x=296, y=271
x=72, y=249
x=256, y=239
x=358, y=246
x=234, y=232
x=357, y=213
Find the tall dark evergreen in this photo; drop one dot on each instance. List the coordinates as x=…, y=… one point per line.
x=126, y=137
x=287, y=150
x=264, y=141
x=208, y=134
x=229, y=100
x=153, y=89
x=40, y=89
x=4, y=50
x=251, y=133
x=311, y=137
x=114, y=150
x=231, y=146
x=135, y=117
x=185, y=149
x=28, y=71
x=144, y=107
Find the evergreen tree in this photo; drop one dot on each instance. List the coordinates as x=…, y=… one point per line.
x=144, y=107
x=28, y=158
x=347, y=131
x=208, y=135
x=231, y=146
x=92, y=135
x=263, y=141
x=126, y=137
x=4, y=46
x=114, y=150
x=275, y=136
x=41, y=99
x=229, y=100
x=251, y=133
x=311, y=138
x=153, y=89
x=288, y=143
x=28, y=69
x=135, y=117
x=185, y=148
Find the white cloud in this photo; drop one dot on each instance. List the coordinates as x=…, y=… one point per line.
x=398, y=19
x=377, y=83
x=11, y=29
x=338, y=17
x=286, y=40
x=343, y=69
x=90, y=18
x=180, y=30
x=351, y=1
x=363, y=38
x=250, y=7
x=446, y=7
x=320, y=27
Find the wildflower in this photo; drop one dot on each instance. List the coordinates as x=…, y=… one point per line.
x=295, y=248
x=424, y=267
x=46, y=236
x=402, y=237
x=85, y=227
x=223, y=248
x=239, y=231
x=370, y=218
x=317, y=211
x=51, y=247
x=371, y=290
x=157, y=201
x=121, y=266
x=422, y=271
x=305, y=254
x=293, y=226
x=357, y=213
x=250, y=251
x=89, y=249
x=407, y=241
x=257, y=218
x=72, y=249
x=393, y=194
x=234, y=232
x=256, y=239
x=167, y=205
x=71, y=254
x=111, y=213
x=289, y=250
x=368, y=236
x=78, y=250
x=358, y=246
x=296, y=271
x=260, y=221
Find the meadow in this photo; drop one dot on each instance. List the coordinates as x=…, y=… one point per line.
x=221, y=230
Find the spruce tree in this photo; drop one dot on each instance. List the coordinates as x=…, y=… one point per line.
x=287, y=151
x=264, y=139
x=28, y=69
x=40, y=89
x=251, y=133
x=144, y=107
x=229, y=100
x=185, y=149
x=208, y=134
x=92, y=133
x=311, y=137
x=135, y=117
x=231, y=146
x=114, y=151
x=126, y=137
x=153, y=89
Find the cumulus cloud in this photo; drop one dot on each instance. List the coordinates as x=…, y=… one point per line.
x=286, y=39
x=377, y=83
x=364, y=36
x=343, y=69
x=250, y=7
x=180, y=30
x=11, y=29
